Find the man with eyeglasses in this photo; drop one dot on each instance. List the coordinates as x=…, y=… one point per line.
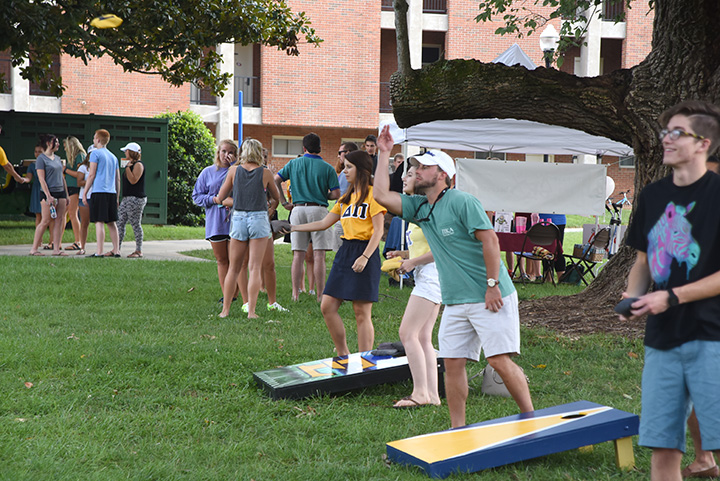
x=481, y=307
x=676, y=232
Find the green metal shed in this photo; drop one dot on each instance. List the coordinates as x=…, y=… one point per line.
x=20, y=135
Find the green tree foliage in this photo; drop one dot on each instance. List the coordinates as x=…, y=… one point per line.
x=191, y=148
x=171, y=39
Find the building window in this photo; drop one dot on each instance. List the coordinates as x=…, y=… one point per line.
x=287, y=146
x=627, y=162
x=359, y=142
x=35, y=88
x=490, y=155
x=431, y=54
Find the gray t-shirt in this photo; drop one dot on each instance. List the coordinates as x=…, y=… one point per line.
x=53, y=172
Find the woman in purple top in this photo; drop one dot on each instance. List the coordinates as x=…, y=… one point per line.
x=217, y=222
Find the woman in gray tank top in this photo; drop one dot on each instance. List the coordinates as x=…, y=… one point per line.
x=250, y=226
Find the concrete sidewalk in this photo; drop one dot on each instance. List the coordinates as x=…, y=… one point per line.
x=154, y=250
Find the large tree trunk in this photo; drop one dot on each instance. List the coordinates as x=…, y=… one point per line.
x=623, y=105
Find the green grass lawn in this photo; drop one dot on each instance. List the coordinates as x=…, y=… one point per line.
x=134, y=376
x=122, y=370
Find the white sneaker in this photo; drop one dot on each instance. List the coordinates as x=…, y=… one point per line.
x=245, y=308
x=276, y=307
x=311, y=292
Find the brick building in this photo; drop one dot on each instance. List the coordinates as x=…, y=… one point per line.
x=340, y=89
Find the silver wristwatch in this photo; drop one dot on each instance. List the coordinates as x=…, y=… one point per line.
x=492, y=282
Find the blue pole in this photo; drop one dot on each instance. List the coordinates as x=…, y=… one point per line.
x=240, y=122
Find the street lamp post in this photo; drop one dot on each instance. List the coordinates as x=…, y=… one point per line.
x=549, y=39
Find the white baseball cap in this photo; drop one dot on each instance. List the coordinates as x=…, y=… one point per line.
x=436, y=157
x=134, y=146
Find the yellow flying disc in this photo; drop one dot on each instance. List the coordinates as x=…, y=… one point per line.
x=106, y=21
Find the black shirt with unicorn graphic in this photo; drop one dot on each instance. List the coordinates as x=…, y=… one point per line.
x=679, y=229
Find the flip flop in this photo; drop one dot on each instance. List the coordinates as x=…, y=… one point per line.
x=135, y=255
x=74, y=247
x=60, y=254
x=110, y=254
x=48, y=247
x=38, y=254
x=713, y=472
x=95, y=255
x=414, y=404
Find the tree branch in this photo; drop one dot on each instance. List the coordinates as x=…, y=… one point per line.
x=466, y=89
x=401, y=35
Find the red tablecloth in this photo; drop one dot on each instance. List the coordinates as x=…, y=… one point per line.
x=513, y=242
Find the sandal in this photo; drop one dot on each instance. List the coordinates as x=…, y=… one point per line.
x=48, y=247
x=81, y=252
x=39, y=254
x=60, y=254
x=74, y=247
x=413, y=403
x=135, y=255
x=111, y=254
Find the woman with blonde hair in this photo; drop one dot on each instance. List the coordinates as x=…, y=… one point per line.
x=75, y=155
x=83, y=208
x=421, y=311
x=250, y=227
x=217, y=225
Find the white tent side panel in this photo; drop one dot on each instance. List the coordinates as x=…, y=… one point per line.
x=577, y=189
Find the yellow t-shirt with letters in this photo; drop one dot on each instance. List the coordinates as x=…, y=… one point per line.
x=356, y=217
x=3, y=157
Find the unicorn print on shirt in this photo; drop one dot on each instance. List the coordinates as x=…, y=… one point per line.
x=671, y=238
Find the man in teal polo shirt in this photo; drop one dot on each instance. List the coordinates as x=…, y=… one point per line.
x=312, y=181
x=481, y=307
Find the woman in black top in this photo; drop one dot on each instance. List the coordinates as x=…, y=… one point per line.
x=134, y=198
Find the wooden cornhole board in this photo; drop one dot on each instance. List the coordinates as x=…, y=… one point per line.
x=515, y=438
x=332, y=375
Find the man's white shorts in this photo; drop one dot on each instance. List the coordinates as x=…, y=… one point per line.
x=466, y=329
x=322, y=240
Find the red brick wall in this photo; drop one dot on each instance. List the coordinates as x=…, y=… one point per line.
x=638, y=41
x=103, y=88
x=467, y=38
x=330, y=139
x=335, y=84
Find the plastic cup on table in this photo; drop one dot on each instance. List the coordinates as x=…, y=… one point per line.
x=520, y=224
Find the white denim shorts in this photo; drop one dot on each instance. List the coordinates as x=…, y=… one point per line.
x=427, y=284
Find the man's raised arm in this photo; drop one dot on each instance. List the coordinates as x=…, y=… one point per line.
x=381, y=184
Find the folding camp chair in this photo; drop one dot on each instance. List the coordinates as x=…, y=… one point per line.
x=542, y=234
x=587, y=262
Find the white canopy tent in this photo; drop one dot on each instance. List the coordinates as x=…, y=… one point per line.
x=505, y=135
x=520, y=186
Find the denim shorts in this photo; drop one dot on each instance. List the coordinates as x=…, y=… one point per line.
x=249, y=225
x=673, y=381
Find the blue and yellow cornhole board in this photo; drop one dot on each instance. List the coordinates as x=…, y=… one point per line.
x=515, y=438
x=332, y=375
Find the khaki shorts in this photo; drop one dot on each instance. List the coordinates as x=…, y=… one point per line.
x=466, y=329
x=322, y=240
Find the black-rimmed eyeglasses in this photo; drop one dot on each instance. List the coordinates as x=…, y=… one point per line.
x=675, y=134
x=427, y=218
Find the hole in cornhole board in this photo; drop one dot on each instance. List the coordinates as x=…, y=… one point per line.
x=574, y=416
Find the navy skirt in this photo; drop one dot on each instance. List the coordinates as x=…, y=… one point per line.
x=348, y=285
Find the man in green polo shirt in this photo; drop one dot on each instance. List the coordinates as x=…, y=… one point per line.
x=481, y=306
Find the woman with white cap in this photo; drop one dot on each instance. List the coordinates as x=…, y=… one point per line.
x=134, y=198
